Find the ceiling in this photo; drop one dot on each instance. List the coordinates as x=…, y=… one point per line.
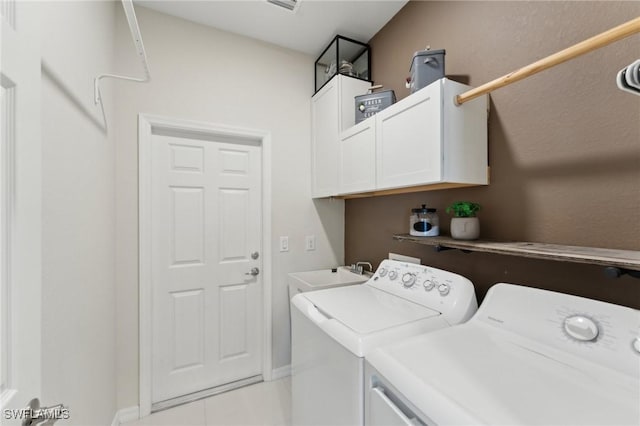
x=308, y=29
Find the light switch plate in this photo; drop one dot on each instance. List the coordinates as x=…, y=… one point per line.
x=284, y=243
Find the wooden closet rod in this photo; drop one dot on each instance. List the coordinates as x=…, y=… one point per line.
x=586, y=46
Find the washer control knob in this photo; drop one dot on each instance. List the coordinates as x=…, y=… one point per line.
x=428, y=285
x=443, y=289
x=581, y=328
x=393, y=275
x=636, y=344
x=408, y=279
x=382, y=272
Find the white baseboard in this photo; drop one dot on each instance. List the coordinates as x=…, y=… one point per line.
x=281, y=372
x=126, y=415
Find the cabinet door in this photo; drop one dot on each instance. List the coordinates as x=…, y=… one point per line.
x=358, y=158
x=325, y=125
x=409, y=140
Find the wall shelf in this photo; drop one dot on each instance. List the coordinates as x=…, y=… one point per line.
x=624, y=261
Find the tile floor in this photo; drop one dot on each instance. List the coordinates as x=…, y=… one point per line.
x=266, y=404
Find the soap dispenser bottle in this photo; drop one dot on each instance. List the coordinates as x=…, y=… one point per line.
x=424, y=222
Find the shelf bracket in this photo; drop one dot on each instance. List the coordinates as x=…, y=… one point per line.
x=438, y=248
x=130, y=14
x=615, y=272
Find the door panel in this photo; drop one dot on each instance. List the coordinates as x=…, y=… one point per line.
x=206, y=222
x=187, y=158
x=188, y=330
x=233, y=327
x=234, y=214
x=408, y=154
x=188, y=225
x=234, y=162
x=20, y=207
x=358, y=158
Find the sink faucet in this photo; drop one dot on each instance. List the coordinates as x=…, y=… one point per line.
x=358, y=267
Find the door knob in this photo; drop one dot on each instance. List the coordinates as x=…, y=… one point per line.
x=255, y=255
x=254, y=271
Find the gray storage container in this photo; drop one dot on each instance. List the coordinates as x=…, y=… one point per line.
x=427, y=66
x=372, y=103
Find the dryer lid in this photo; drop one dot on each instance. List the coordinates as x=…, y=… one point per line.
x=473, y=373
x=365, y=309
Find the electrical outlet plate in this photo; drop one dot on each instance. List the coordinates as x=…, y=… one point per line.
x=310, y=242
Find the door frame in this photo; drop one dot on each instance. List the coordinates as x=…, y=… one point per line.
x=20, y=75
x=147, y=123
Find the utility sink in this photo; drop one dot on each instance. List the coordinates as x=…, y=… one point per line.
x=300, y=282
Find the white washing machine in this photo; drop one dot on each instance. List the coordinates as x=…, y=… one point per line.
x=333, y=330
x=528, y=357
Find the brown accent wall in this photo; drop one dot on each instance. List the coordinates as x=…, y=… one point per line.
x=564, y=145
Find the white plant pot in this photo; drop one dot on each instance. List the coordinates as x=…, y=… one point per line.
x=465, y=228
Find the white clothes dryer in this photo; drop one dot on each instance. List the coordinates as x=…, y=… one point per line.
x=528, y=357
x=333, y=330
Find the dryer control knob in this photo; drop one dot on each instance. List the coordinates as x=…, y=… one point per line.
x=636, y=344
x=382, y=272
x=429, y=284
x=581, y=328
x=393, y=275
x=443, y=289
x=408, y=279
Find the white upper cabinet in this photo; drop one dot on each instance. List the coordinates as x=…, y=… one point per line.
x=332, y=111
x=426, y=139
x=357, y=172
x=420, y=143
x=409, y=140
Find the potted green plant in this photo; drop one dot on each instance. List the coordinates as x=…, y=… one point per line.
x=464, y=224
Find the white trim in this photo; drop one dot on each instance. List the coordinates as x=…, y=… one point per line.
x=8, y=12
x=206, y=393
x=146, y=123
x=21, y=70
x=126, y=415
x=7, y=396
x=144, y=259
x=281, y=372
x=7, y=200
x=267, y=363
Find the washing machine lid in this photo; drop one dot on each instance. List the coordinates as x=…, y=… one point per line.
x=479, y=375
x=365, y=309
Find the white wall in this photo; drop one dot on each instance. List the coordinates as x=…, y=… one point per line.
x=78, y=330
x=200, y=73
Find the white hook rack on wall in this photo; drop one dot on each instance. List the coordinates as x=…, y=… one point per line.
x=142, y=54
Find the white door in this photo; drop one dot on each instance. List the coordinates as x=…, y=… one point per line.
x=20, y=211
x=206, y=240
